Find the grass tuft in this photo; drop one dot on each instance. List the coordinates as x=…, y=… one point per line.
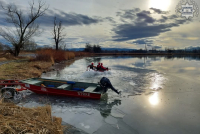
x=16, y=119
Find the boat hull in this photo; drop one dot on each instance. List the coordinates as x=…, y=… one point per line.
x=60, y=92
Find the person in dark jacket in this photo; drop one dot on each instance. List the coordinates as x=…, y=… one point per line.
x=98, y=66
x=105, y=83
x=91, y=66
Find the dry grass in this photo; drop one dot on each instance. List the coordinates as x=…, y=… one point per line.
x=54, y=55
x=35, y=66
x=3, y=59
x=7, y=57
x=23, y=70
x=19, y=120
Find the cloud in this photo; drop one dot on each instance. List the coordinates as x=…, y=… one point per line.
x=192, y=38
x=155, y=46
x=3, y=15
x=158, y=11
x=142, y=41
x=67, y=19
x=110, y=19
x=145, y=17
x=128, y=14
x=134, y=31
x=144, y=25
x=163, y=19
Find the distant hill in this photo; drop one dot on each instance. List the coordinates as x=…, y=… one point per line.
x=76, y=49
x=192, y=48
x=104, y=49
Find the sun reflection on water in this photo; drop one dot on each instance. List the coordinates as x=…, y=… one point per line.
x=155, y=86
x=156, y=81
x=154, y=99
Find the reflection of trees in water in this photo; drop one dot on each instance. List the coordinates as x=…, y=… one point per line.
x=188, y=57
x=185, y=57
x=95, y=60
x=158, y=57
x=169, y=57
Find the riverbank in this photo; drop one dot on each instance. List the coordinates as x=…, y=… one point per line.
x=29, y=69
x=16, y=119
x=23, y=67
x=35, y=119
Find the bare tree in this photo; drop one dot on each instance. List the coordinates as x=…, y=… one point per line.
x=30, y=45
x=1, y=46
x=64, y=46
x=58, y=35
x=24, y=24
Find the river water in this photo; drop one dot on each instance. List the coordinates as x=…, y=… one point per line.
x=160, y=95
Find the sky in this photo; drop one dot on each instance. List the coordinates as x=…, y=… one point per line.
x=116, y=23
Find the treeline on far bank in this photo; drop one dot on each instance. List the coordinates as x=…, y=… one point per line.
x=97, y=49
x=92, y=48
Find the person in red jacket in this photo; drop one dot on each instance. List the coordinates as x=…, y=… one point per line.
x=103, y=68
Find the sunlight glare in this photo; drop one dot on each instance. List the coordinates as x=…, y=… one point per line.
x=154, y=99
x=160, y=4
x=155, y=86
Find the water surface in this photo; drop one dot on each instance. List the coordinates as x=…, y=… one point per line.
x=160, y=95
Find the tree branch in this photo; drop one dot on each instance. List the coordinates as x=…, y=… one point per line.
x=25, y=26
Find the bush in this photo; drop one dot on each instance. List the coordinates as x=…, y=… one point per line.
x=53, y=55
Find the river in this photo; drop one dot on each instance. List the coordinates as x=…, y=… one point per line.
x=160, y=95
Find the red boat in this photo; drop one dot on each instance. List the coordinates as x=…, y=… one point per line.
x=60, y=87
x=101, y=70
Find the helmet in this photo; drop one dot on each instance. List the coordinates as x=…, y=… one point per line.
x=101, y=63
x=92, y=63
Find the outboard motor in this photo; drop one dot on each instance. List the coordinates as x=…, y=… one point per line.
x=105, y=83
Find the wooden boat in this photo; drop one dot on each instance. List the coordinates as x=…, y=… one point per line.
x=63, y=88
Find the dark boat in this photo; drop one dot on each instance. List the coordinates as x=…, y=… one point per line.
x=64, y=88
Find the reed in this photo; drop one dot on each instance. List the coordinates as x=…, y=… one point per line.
x=16, y=119
x=54, y=55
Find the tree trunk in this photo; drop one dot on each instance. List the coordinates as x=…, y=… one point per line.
x=17, y=50
x=56, y=45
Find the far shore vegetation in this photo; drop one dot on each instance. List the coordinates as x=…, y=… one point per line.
x=34, y=65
